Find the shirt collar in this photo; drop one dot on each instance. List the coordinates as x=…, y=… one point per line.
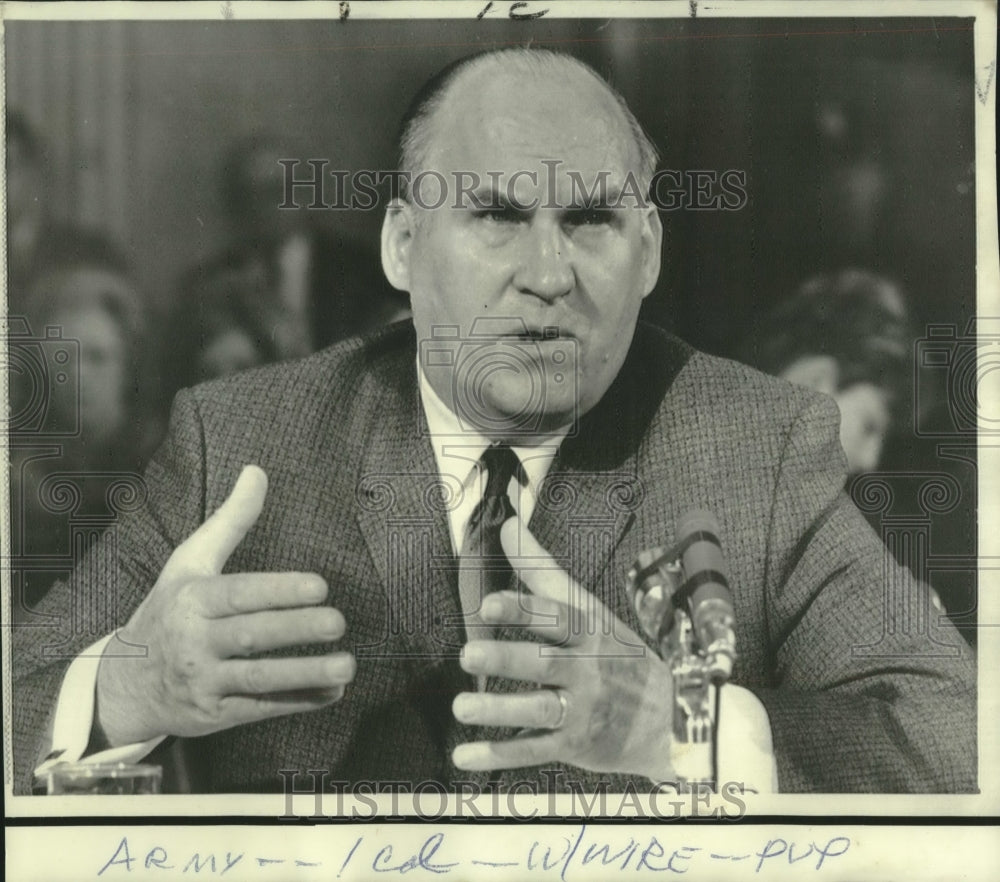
x=457, y=449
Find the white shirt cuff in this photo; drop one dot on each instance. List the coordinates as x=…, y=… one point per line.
x=74, y=717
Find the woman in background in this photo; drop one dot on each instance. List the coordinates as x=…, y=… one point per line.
x=95, y=428
x=847, y=335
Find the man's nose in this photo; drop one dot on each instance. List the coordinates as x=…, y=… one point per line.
x=544, y=267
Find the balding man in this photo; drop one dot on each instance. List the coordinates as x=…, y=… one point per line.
x=349, y=604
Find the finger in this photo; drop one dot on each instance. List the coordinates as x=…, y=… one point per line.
x=207, y=549
x=540, y=572
x=479, y=756
x=529, y=710
x=532, y=662
x=237, y=710
x=269, y=675
x=262, y=631
x=555, y=622
x=239, y=593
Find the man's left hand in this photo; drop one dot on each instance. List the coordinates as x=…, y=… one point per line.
x=604, y=701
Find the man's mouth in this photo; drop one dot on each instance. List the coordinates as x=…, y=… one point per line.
x=549, y=332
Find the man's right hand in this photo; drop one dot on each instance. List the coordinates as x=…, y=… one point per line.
x=198, y=626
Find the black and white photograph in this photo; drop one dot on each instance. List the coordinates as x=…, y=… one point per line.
x=439, y=413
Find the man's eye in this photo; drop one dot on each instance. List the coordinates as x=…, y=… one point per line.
x=499, y=215
x=590, y=217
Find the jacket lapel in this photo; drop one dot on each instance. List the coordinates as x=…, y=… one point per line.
x=402, y=515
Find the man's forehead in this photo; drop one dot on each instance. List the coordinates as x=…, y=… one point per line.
x=589, y=137
x=504, y=117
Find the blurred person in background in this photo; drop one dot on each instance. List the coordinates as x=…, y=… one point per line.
x=36, y=239
x=847, y=335
x=91, y=299
x=284, y=287
x=25, y=204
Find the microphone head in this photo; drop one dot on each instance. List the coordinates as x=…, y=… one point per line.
x=709, y=598
x=652, y=581
x=688, y=575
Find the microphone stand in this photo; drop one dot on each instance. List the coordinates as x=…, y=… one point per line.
x=656, y=586
x=694, y=723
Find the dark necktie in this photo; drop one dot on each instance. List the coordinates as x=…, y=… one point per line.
x=483, y=567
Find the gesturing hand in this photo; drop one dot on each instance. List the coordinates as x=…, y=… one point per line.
x=197, y=627
x=607, y=703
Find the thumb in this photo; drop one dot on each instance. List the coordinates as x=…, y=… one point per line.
x=207, y=549
x=539, y=570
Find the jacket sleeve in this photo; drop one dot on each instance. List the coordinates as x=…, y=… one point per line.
x=106, y=586
x=873, y=689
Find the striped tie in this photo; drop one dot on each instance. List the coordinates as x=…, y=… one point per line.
x=483, y=567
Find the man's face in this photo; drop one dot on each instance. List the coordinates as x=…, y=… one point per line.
x=103, y=369
x=524, y=250
x=864, y=422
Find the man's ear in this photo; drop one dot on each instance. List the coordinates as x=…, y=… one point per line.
x=397, y=237
x=819, y=372
x=652, y=241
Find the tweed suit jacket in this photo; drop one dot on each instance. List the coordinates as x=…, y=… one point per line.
x=856, y=702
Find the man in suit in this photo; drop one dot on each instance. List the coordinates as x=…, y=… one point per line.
x=322, y=616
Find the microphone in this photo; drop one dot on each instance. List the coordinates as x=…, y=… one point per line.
x=690, y=578
x=707, y=591
x=681, y=598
